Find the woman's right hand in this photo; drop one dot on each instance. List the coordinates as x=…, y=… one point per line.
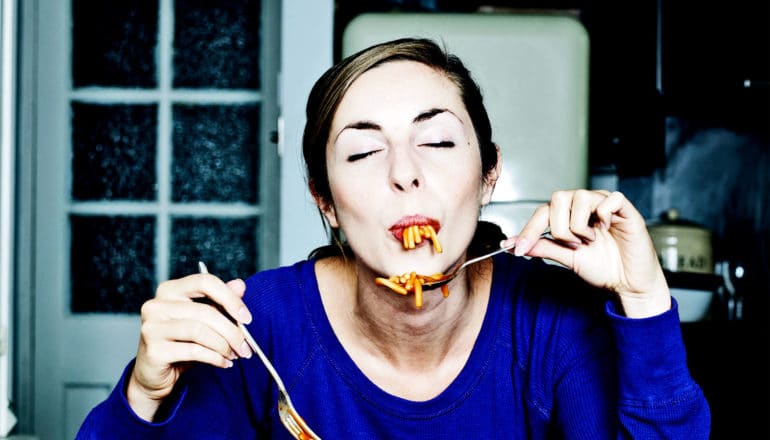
x=177, y=330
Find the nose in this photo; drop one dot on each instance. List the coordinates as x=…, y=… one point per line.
x=405, y=170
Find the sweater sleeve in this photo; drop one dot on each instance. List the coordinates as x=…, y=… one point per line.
x=114, y=418
x=631, y=381
x=657, y=397
x=204, y=404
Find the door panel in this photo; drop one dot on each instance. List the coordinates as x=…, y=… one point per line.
x=151, y=154
x=79, y=398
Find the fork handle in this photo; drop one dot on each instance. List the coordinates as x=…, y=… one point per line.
x=255, y=347
x=249, y=339
x=477, y=259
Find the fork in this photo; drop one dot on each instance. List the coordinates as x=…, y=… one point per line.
x=289, y=416
x=446, y=278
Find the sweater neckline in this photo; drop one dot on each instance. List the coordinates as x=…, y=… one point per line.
x=458, y=390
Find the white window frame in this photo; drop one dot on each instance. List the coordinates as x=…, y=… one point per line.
x=7, y=191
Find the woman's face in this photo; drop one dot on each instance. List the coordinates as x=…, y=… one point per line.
x=402, y=151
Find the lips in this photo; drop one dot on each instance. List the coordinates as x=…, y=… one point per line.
x=412, y=220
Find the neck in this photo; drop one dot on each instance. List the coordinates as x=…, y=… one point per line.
x=374, y=323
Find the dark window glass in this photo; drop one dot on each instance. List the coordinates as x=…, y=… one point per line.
x=215, y=155
x=112, y=263
x=228, y=246
x=113, y=151
x=114, y=43
x=216, y=44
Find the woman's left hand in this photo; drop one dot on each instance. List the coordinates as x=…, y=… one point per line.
x=604, y=240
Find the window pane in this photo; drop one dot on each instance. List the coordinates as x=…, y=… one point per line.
x=113, y=151
x=113, y=260
x=215, y=153
x=114, y=42
x=228, y=246
x=216, y=44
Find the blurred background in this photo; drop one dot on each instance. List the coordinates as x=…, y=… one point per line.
x=140, y=137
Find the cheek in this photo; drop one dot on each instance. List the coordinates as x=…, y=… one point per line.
x=461, y=179
x=351, y=199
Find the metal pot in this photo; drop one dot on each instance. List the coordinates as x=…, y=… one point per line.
x=682, y=246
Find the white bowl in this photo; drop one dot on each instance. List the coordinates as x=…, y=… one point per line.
x=693, y=304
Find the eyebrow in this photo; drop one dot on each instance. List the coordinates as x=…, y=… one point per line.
x=426, y=115
x=422, y=117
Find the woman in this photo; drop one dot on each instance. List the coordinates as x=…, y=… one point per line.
x=397, y=137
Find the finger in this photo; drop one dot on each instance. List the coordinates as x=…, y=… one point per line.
x=229, y=328
x=223, y=295
x=509, y=243
x=530, y=233
x=157, y=312
x=552, y=250
x=560, y=215
x=237, y=286
x=195, y=332
x=584, y=203
x=615, y=205
x=173, y=352
x=206, y=285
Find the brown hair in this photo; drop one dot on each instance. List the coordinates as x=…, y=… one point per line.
x=329, y=90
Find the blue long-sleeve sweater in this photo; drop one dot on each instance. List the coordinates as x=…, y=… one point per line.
x=552, y=360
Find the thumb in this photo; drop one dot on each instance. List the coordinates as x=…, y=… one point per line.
x=237, y=286
x=551, y=250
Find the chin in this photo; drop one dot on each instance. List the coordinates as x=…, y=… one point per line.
x=420, y=264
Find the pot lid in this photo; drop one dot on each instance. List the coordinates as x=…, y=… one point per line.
x=671, y=217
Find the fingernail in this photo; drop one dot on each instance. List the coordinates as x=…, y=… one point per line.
x=245, y=350
x=519, y=249
x=244, y=315
x=228, y=364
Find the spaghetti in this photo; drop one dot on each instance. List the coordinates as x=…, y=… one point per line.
x=413, y=235
x=412, y=282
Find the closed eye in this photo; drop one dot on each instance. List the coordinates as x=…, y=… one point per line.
x=442, y=144
x=359, y=156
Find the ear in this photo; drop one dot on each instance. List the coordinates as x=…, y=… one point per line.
x=490, y=180
x=326, y=207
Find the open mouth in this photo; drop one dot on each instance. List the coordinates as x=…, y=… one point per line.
x=412, y=232
x=419, y=226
